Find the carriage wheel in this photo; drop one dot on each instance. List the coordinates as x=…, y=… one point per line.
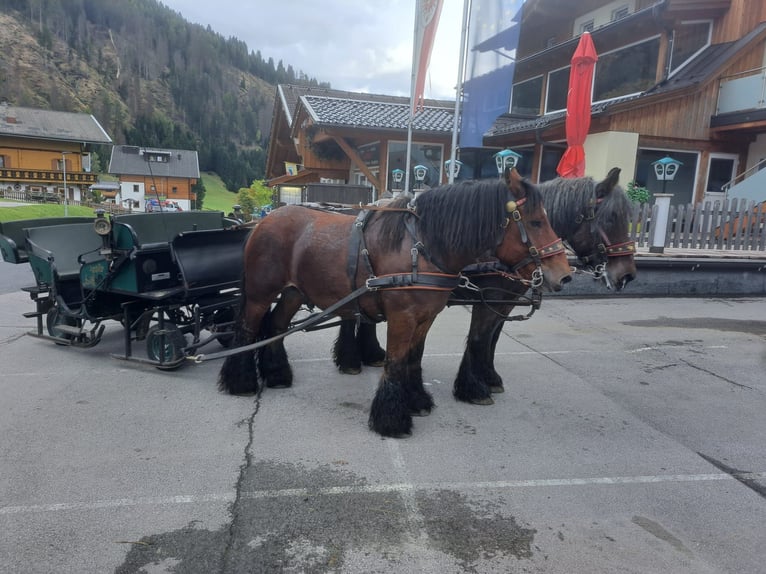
x=53, y=319
x=173, y=349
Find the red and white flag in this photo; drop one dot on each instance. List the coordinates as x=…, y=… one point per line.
x=426, y=20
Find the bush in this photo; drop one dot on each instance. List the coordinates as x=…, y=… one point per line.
x=638, y=193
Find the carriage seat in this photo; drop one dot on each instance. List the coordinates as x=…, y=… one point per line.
x=148, y=231
x=54, y=251
x=13, y=239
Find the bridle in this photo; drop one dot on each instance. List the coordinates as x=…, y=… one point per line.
x=536, y=255
x=595, y=262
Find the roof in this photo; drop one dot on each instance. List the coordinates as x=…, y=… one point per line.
x=704, y=68
x=131, y=160
x=340, y=108
x=51, y=125
x=365, y=113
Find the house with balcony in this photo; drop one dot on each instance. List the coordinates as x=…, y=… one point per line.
x=45, y=154
x=684, y=79
x=321, y=136
x=146, y=173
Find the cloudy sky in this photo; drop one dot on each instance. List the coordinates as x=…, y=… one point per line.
x=360, y=46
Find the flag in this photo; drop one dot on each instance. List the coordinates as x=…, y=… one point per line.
x=426, y=21
x=493, y=36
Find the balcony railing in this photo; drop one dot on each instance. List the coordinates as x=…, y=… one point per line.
x=743, y=91
x=42, y=176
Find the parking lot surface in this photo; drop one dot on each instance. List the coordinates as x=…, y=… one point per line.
x=629, y=439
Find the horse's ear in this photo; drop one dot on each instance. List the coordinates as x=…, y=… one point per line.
x=515, y=182
x=605, y=187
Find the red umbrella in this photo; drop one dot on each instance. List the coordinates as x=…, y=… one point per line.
x=572, y=163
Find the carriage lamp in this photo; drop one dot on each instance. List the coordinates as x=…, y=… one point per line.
x=453, y=168
x=101, y=224
x=666, y=169
x=397, y=176
x=506, y=159
x=420, y=175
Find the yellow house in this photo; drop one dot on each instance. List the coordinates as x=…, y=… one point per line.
x=44, y=152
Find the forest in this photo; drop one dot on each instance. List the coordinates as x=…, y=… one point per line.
x=150, y=78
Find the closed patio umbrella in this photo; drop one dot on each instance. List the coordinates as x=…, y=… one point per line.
x=583, y=61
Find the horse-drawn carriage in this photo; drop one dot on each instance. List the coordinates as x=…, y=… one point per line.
x=170, y=279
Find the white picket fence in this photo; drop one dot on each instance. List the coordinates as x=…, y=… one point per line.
x=735, y=224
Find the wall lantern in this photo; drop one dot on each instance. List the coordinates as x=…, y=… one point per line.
x=453, y=168
x=666, y=169
x=506, y=159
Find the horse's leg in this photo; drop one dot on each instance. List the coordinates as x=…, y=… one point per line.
x=400, y=391
x=238, y=374
x=372, y=353
x=272, y=359
x=476, y=378
x=345, y=352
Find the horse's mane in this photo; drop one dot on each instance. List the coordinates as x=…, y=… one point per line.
x=566, y=198
x=465, y=217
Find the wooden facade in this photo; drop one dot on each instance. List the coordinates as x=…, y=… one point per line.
x=40, y=150
x=676, y=113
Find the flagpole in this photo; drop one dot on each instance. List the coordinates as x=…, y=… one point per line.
x=459, y=90
x=413, y=81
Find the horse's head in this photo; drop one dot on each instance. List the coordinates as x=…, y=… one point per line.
x=529, y=242
x=602, y=241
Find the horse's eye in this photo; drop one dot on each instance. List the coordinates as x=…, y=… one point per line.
x=536, y=223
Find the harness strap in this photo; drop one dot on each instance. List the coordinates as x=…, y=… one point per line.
x=422, y=280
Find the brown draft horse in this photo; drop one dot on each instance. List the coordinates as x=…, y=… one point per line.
x=410, y=257
x=591, y=217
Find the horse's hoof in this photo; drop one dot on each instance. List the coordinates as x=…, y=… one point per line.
x=375, y=363
x=350, y=370
x=245, y=394
x=496, y=389
x=484, y=401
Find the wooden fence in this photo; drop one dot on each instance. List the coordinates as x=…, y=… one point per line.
x=730, y=224
x=51, y=197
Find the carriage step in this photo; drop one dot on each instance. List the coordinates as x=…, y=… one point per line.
x=32, y=314
x=69, y=330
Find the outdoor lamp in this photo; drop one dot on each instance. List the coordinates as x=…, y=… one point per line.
x=397, y=175
x=666, y=169
x=453, y=168
x=420, y=173
x=506, y=159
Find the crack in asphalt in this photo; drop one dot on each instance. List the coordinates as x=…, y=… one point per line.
x=716, y=375
x=742, y=476
x=244, y=467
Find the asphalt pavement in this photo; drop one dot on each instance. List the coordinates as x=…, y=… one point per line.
x=629, y=439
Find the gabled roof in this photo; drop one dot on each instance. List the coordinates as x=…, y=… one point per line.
x=132, y=160
x=361, y=112
x=50, y=125
x=340, y=108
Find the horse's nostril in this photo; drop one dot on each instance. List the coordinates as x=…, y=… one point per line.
x=565, y=280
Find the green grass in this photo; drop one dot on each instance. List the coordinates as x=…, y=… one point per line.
x=38, y=210
x=217, y=197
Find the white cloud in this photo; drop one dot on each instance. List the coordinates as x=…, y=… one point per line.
x=356, y=46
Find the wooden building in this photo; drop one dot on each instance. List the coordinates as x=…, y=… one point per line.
x=678, y=78
x=149, y=173
x=40, y=150
x=320, y=135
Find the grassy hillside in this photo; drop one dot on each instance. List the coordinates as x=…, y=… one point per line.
x=217, y=197
x=38, y=210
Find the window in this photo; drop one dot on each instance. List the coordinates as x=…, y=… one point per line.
x=549, y=161
x=525, y=98
x=174, y=190
x=682, y=186
x=689, y=39
x=629, y=70
x=558, y=86
x=429, y=155
x=620, y=12
x=135, y=188
x=586, y=26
